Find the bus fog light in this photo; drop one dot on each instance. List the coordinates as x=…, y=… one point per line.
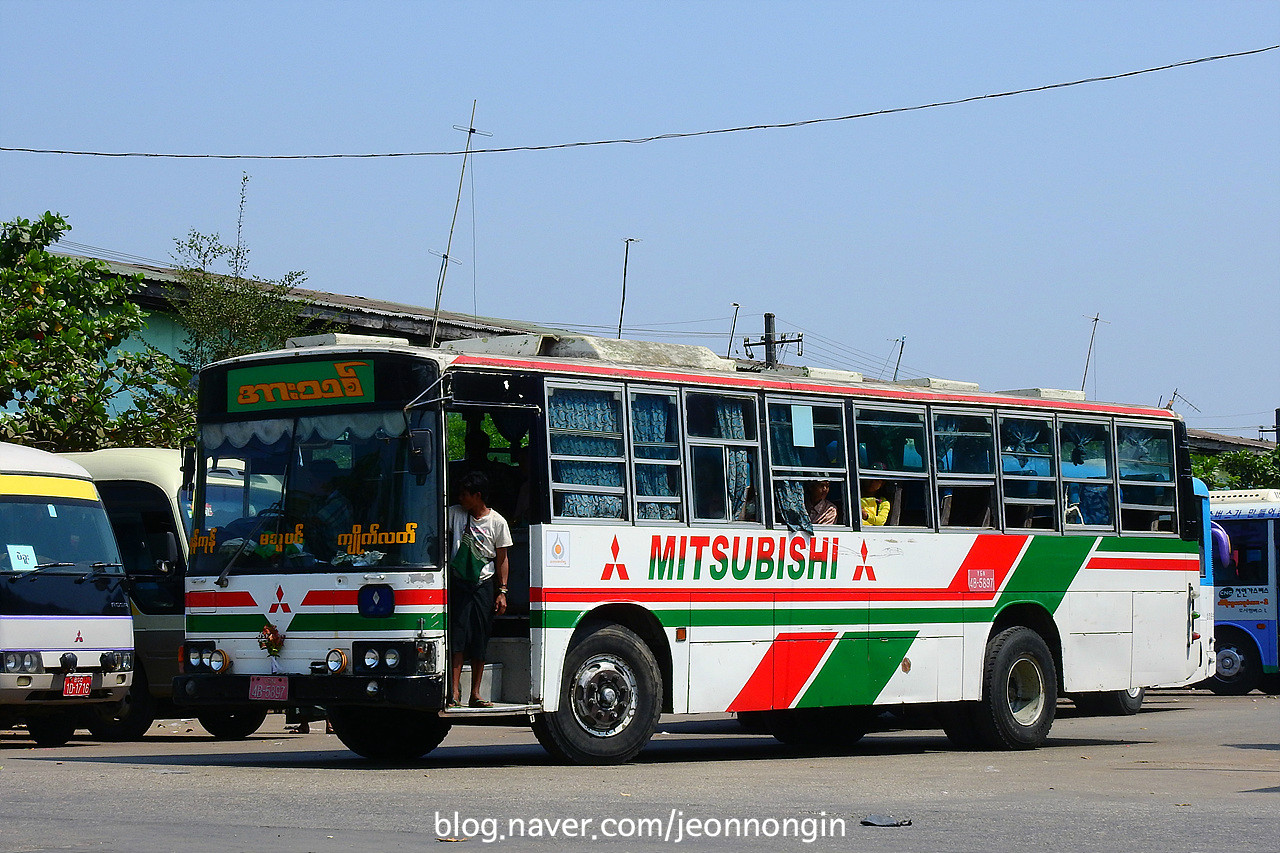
x=371, y=688
x=24, y=681
x=336, y=662
x=219, y=660
x=372, y=658
x=392, y=658
x=110, y=661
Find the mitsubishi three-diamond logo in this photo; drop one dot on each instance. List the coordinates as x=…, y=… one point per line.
x=609, y=568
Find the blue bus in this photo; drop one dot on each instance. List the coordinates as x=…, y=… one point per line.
x=1246, y=554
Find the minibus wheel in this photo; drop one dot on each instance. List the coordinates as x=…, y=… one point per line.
x=128, y=720
x=52, y=729
x=1019, y=691
x=610, y=700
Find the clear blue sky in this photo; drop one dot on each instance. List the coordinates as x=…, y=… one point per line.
x=984, y=233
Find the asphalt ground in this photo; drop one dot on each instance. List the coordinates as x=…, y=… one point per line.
x=1190, y=772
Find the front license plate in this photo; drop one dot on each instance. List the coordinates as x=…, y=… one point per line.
x=77, y=685
x=269, y=688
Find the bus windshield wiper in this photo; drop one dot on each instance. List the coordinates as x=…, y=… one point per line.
x=98, y=569
x=235, y=558
x=40, y=567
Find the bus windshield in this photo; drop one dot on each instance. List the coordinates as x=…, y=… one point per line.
x=312, y=494
x=55, y=536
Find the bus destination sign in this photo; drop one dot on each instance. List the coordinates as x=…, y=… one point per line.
x=309, y=383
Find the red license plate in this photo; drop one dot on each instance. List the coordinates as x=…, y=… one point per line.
x=77, y=685
x=269, y=688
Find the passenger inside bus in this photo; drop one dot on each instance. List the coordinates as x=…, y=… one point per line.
x=875, y=509
x=820, y=509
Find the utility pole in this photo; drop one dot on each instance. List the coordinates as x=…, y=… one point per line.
x=444, y=258
x=902, y=344
x=771, y=341
x=1096, y=318
x=626, y=254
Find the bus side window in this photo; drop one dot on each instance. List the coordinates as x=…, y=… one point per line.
x=723, y=452
x=587, y=452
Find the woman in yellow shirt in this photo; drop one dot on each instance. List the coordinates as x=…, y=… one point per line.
x=875, y=512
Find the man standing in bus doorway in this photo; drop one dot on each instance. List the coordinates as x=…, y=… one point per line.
x=480, y=538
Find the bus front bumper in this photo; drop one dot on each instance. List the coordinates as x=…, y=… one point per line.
x=423, y=692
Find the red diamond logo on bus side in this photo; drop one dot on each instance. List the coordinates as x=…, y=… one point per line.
x=279, y=603
x=865, y=567
x=609, y=568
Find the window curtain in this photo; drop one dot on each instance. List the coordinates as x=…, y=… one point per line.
x=731, y=418
x=650, y=416
x=586, y=411
x=788, y=493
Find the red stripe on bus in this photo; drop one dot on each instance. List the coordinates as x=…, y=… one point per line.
x=743, y=381
x=852, y=595
x=217, y=598
x=990, y=552
x=350, y=597
x=783, y=673
x=1190, y=563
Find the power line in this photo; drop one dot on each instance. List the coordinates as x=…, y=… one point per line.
x=663, y=136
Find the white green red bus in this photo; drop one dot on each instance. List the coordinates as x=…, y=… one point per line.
x=1035, y=545
x=1245, y=588
x=66, y=638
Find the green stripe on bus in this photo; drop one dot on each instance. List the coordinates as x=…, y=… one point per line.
x=1141, y=545
x=239, y=623
x=857, y=669
x=1046, y=570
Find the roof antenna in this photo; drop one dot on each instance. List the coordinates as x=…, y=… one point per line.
x=728, y=353
x=444, y=258
x=1176, y=396
x=1096, y=318
x=626, y=255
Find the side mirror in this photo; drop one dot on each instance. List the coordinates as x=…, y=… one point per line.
x=422, y=450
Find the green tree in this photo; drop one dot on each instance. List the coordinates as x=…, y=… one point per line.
x=64, y=383
x=230, y=314
x=1239, y=469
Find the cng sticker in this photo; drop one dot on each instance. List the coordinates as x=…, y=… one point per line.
x=558, y=550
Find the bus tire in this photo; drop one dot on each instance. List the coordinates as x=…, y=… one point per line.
x=128, y=720
x=821, y=729
x=1111, y=703
x=610, y=700
x=391, y=735
x=1239, y=666
x=232, y=723
x=1019, y=691
x=52, y=729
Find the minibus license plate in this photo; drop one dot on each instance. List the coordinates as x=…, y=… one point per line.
x=269, y=688
x=77, y=685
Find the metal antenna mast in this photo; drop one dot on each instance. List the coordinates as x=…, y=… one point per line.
x=444, y=258
x=728, y=353
x=1096, y=318
x=626, y=255
x=902, y=344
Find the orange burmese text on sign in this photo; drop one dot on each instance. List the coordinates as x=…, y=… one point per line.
x=358, y=538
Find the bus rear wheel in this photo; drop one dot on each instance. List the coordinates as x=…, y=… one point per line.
x=610, y=700
x=1239, y=666
x=1019, y=691
x=393, y=735
x=232, y=724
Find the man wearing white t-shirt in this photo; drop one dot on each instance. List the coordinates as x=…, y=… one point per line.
x=480, y=538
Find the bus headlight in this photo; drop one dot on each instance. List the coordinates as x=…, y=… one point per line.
x=12, y=661
x=336, y=662
x=193, y=656
x=219, y=660
x=30, y=662
x=371, y=658
x=391, y=658
x=21, y=662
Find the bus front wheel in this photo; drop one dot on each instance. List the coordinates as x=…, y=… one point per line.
x=1019, y=691
x=610, y=700
x=232, y=724
x=1239, y=667
x=388, y=734
x=128, y=720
